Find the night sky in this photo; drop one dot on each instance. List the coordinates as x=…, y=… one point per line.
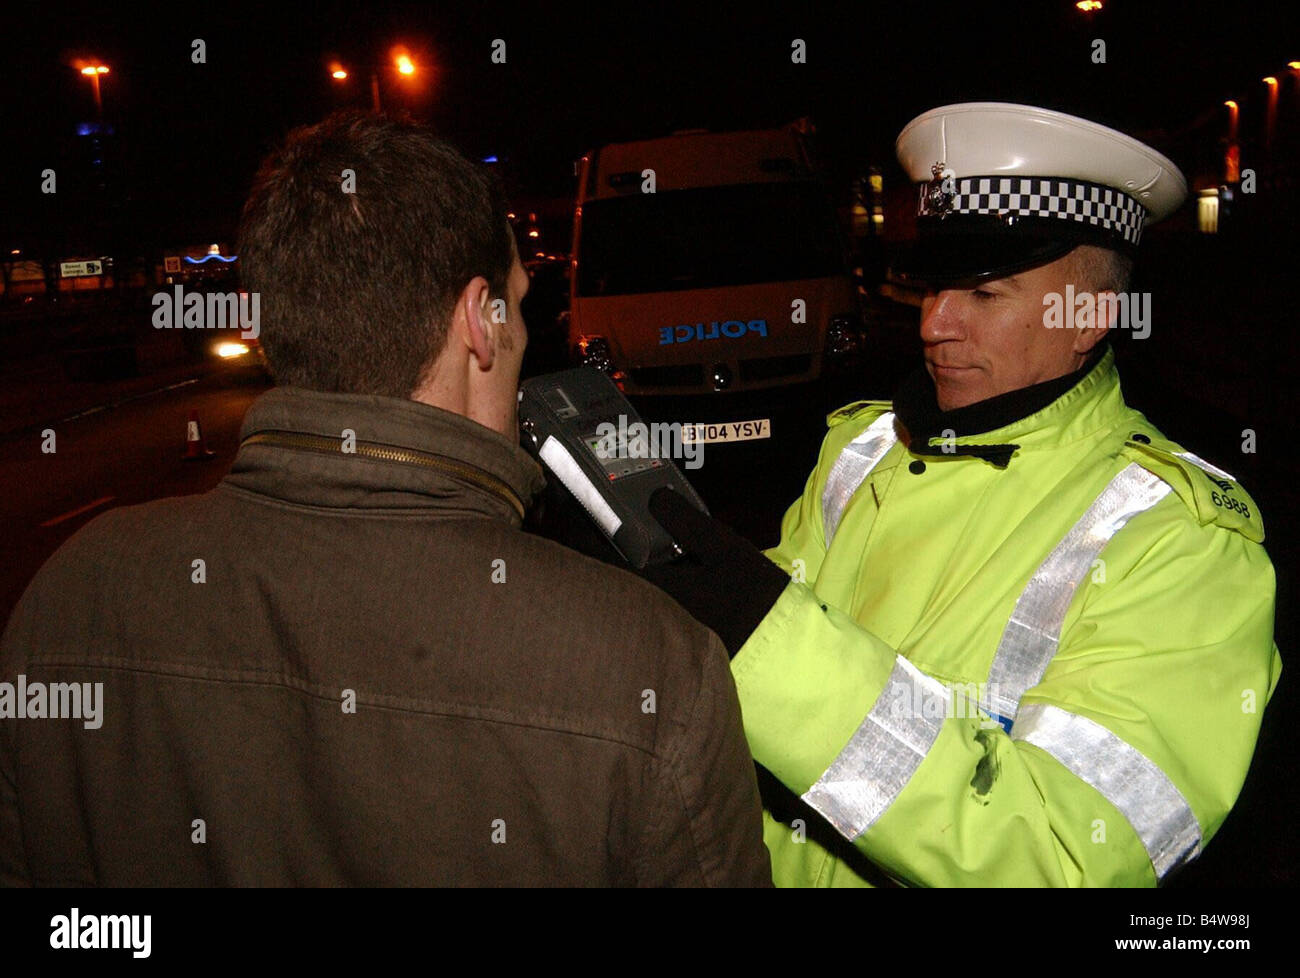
x=187, y=137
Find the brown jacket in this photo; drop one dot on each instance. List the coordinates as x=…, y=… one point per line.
x=372, y=677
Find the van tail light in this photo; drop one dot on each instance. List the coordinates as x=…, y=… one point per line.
x=842, y=336
x=593, y=351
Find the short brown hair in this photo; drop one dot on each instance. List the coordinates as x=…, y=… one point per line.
x=356, y=288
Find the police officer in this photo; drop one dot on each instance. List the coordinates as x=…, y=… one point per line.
x=1012, y=634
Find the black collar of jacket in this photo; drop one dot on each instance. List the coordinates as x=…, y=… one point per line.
x=356, y=451
x=918, y=411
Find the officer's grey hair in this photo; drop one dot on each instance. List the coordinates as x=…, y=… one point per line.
x=1097, y=269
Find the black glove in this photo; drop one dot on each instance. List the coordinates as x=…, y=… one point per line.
x=722, y=579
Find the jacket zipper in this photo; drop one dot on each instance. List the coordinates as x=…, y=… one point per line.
x=333, y=445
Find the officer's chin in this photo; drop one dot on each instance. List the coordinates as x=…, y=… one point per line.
x=953, y=386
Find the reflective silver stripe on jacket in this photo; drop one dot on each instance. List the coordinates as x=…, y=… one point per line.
x=884, y=752
x=1031, y=636
x=855, y=462
x=1206, y=466
x=1126, y=777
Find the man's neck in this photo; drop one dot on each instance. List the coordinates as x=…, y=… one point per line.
x=917, y=408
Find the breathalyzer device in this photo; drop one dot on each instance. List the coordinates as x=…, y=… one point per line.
x=588, y=436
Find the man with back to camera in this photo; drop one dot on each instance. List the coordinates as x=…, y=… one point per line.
x=1011, y=634
x=378, y=678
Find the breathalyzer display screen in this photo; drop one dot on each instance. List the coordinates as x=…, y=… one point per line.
x=620, y=455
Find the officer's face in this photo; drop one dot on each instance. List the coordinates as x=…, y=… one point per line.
x=991, y=339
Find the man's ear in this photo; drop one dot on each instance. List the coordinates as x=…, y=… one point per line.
x=473, y=319
x=1105, y=315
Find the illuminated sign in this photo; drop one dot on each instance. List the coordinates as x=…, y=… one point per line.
x=731, y=329
x=78, y=269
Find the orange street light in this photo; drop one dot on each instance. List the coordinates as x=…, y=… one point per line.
x=93, y=71
x=1088, y=6
x=401, y=61
x=340, y=74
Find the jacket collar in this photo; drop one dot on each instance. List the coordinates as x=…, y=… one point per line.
x=361, y=451
x=1046, y=415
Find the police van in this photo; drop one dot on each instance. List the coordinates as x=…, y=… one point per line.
x=710, y=264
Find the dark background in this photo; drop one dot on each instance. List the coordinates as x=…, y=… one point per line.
x=188, y=137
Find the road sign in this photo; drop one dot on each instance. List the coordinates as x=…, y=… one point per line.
x=171, y=263
x=76, y=269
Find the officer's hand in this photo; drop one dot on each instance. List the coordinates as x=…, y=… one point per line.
x=722, y=579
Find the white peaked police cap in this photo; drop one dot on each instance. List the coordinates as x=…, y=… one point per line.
x=1007, y=187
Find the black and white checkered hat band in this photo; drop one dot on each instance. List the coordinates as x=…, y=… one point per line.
x=1074, y=200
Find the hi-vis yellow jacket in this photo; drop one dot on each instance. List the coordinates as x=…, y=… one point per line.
x=1048, y=674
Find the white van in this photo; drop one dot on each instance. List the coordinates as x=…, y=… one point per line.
x=709, y=264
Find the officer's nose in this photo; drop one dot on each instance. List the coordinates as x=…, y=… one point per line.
x=941, y=317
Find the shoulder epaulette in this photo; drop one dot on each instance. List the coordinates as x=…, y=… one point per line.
x=865, y=410
x=1213, y=495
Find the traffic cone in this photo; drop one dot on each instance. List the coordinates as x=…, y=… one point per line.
x=196, y=446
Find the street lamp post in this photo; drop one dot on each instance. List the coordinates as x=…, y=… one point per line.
x=1270, y=114
x=93, y=72
x=1231, y=154
x=401, y=61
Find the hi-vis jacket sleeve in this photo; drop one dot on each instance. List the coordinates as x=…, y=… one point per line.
x=1122, y=762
